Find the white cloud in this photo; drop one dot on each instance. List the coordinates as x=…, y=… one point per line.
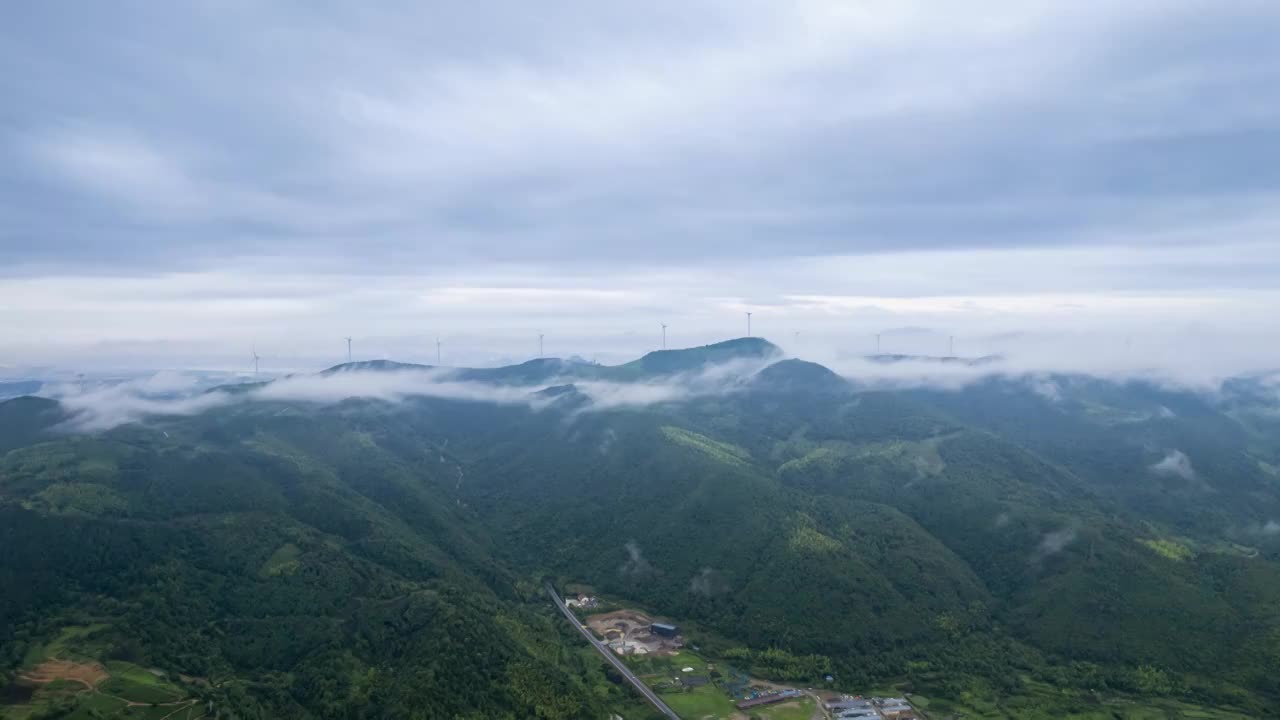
x=1177, y=464
x=1052, y=543
x=102, y=407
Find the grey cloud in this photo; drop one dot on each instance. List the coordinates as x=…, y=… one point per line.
x=517, y=134
x=817, y=162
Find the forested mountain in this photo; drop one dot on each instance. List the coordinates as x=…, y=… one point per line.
x=374, y=548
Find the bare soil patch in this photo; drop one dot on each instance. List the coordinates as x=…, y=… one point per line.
x=88, y=674
x=627, y=632
x=629, y=617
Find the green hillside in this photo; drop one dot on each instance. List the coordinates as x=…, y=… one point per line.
x=288, y=559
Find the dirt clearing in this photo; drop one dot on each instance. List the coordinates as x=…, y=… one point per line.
x=88, y=674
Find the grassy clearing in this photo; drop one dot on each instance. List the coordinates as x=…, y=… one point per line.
x=99, y=706
x=666, y=667
x=706, y=702
x=1171, y=549
x=721, y=451
x=284, y=561
x=137, y=684
x=806, y=540
x=72, y=642
x=76, y=498
x=685, y=658
x=922, y=457
x=702, y=703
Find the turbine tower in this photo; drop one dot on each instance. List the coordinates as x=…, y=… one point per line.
x=348, y=339
x=540, y=344
x=664, y=336
x=748, y=324
x=877, y=343
x=437, y=351
x=951, y=346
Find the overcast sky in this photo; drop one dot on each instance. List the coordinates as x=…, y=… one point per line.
x=181, y=182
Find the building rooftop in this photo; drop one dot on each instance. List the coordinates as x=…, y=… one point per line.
x=848, y=704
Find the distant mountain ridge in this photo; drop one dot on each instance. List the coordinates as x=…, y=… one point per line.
x=654, y=364
x=891, y=358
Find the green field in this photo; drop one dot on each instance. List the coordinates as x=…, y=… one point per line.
x=790, y=710
x=136, y=684
x=706, y=702
x=703, y=703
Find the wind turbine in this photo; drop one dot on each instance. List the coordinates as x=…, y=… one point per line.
x=539, y=344
x=256, y=357
x=951, y=346
x=348, y=339
x=877, y=343
x=664, y=336
x=748, y=324
x=437, y=351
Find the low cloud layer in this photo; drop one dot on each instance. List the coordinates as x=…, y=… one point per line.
x=105, y=407
x=636, y=565
x=1175, y=464
x=101, y=406
x=1052, y=543
x=98, y=404
x=708, y=583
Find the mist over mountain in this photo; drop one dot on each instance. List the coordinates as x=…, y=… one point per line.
x=306, y=530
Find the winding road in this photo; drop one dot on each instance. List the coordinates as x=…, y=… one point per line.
x=617, y=663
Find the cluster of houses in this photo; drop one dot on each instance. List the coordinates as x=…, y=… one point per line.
x=858, y=708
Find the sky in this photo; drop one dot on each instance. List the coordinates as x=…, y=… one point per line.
x=1087, y=184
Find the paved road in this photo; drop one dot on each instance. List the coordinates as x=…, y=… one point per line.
x=609, y=655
